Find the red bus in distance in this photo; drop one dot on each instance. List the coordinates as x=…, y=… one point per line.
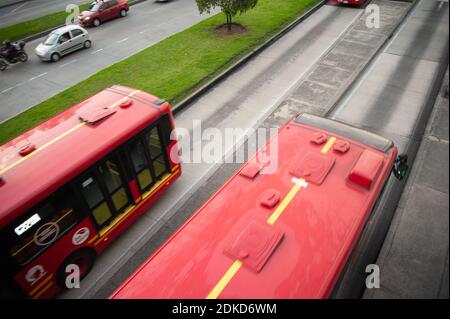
x=282, y=235
x=74, y=183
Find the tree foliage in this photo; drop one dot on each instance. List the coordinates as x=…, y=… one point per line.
x=229, y=7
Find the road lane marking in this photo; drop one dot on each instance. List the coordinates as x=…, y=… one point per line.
x=66, y=64
x=97, y=51
x=21, y=6
x=123, y=40
x=8, y=89
x=38, y=76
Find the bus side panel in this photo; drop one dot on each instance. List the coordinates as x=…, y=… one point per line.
x=40, y=275
x=140, y=210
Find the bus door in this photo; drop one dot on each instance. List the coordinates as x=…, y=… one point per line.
x=149, y=159
x=105, y=190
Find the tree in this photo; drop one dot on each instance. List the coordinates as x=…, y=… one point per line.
x=229, y=7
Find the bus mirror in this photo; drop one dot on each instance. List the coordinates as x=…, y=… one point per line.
x=401, y=166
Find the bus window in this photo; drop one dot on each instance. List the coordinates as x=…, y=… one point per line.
x=95, y=199
x=154, y=143
x=105, y=192
x=157, y=155
x=140, y=164
x=42, y=226
x=114, y=183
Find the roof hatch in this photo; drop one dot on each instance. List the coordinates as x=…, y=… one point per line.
x=27, y=149
x=255, y=244
x=250, y=170
x=314, y=167
x=366, y=169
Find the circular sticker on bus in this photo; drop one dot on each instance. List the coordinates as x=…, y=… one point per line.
x=35, y=273
x=80, y=236
x=46, y=234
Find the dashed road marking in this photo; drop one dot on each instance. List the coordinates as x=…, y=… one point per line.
x=8, y=89
x=66, y=64
x=96, y=51
x=123, y=40
x=38, y=76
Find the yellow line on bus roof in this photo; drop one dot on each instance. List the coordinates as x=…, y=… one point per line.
x=61, y=136
x=224, y=281
x=329, y=144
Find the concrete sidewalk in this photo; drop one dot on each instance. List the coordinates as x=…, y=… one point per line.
x=414, y=259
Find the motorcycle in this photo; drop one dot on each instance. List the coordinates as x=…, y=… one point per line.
x=18, y=56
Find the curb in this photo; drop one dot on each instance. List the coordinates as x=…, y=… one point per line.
x=44, y=33
x=217, y=79
x=357, y=76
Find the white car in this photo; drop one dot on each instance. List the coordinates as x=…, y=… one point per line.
x=63, y=41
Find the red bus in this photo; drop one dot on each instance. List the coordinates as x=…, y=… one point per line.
x=71, y=185
x=283, y=235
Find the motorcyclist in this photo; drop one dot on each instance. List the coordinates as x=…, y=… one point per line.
x=9, y=49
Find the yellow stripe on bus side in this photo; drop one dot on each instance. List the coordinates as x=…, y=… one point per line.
x=61, y=136
x=38, y=287
x=132, y=208
x=43, y=290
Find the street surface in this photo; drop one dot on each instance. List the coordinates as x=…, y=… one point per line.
x=25, y=85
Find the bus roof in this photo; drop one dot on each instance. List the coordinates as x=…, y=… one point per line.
x=282, y=235
x=42, y=159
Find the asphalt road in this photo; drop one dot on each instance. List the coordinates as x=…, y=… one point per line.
x=243, y=100
x=31, y=9
x=25, y=85
x=394, y=99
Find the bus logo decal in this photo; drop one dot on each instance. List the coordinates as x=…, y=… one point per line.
x=46, y=234
x=35, y=273
x=80, y=236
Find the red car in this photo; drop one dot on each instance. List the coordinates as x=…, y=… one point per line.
x=351, y=2
x=101, y=11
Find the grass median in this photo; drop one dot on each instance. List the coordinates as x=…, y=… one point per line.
x=24, y=29
x=175, y=67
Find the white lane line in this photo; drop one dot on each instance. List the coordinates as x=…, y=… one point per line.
x=21, y=6
x=66, y=64
x=38, y=76
x=123, y=40
x=97, y=51
x=8, y=89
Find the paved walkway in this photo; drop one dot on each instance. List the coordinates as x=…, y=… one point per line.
x=414, y=259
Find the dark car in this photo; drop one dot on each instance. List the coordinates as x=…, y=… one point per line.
x=101, y=11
